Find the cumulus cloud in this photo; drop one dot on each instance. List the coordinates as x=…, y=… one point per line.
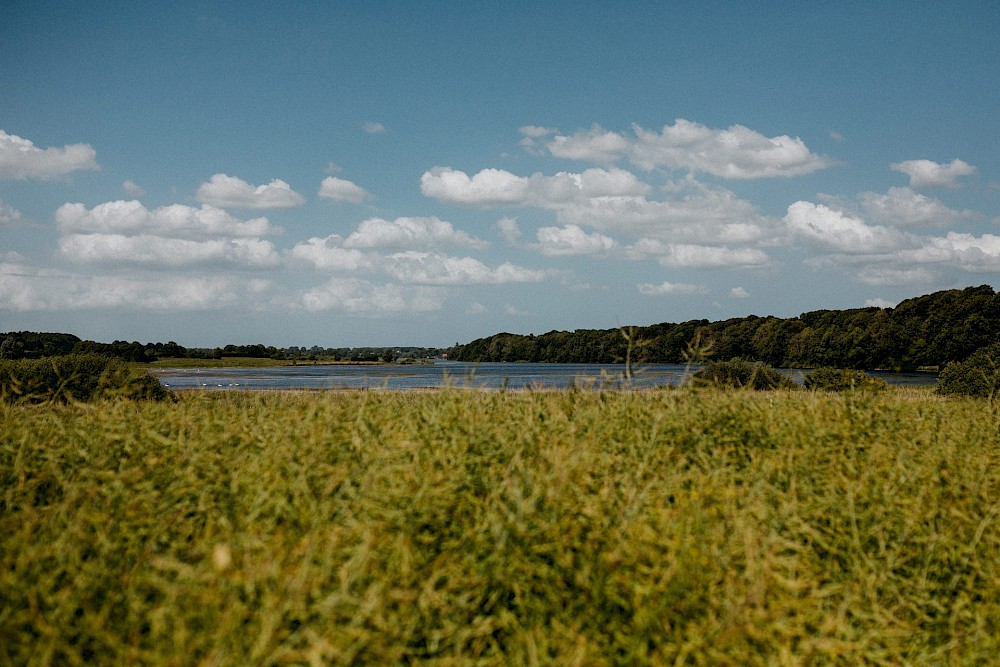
x=593, y=145
x=360, y=297
x=224, y=191
x=736, y=153
x=126, y=232
x=418, y=264
x=739, y=293
x=497, y=187
x=8, y=214
x=572, y=240
x=902, y=207
x=410, y=233
x=132, y=188
x=20, y=159
x=975, y=254
x=373, y=127
x=887, y=256
x=671, y=289
x=341, y=190
x=930, y=174
x=476, y=308
x=685, y=255
x=610, y=200
x=167, y=252
x=531, y=136
x=887, y=275
x=509, y=230
x=329, y=255
x=513, y=311
x=701, y=216
x=176, y=220
x=835, y=230
x=425, y=268
x=29, y=289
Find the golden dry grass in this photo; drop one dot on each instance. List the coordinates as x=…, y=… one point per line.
x=473, y=528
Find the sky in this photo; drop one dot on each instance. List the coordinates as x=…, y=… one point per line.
x=349, y=174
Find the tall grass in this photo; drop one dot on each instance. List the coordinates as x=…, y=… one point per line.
x=454, y=528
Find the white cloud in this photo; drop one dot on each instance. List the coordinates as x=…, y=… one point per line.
x=514, y=311
x=840, y=232
x=674, y=255
x=28, y=289
x=340, y=190
x=531, y=134
x=509, y=230
x=679, y=255
x=372, y=127
x=224, y=191
x=902, y=207
x=887, y=275
x=8, y=214
x=497, y=187
x=410, y=233
x=329, y=255
x=976, y=254
x=132, y=188
x=703, y=216
x=594, y=145
x=424, y=268
x=20, y=159
x=929, y=174
x=176, y=220
x=167, y=252
x=880, y=303
x=607, y=200
x=360, y=297
x=126, y=232
x=671, y=289
x=489, y=187
x=476, y=308
x=737, y=152
x=535, y=131
x=739, y=293
x=572, y=240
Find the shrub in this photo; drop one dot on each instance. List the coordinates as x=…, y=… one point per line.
x=75, y=377
x=979, y=375
x=842, y=379
x=741, y=373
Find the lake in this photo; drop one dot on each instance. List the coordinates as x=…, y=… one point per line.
x=454, y=373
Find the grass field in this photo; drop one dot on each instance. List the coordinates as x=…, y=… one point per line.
x=681, y=527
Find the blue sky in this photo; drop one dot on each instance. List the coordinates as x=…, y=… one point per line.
x=385, y=173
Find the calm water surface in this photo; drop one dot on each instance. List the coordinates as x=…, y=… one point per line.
x=455, y=374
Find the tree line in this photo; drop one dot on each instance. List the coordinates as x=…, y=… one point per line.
x=32, y=345
x=924, y=332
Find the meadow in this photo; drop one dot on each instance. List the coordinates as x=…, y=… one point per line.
x=457, y=527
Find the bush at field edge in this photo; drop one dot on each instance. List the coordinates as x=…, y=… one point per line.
x=739, y=373
x=842, y=379
x=76, y=377
x=978, y=376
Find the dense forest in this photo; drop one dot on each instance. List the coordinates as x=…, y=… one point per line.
x=31, y=345
x=925, y=332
